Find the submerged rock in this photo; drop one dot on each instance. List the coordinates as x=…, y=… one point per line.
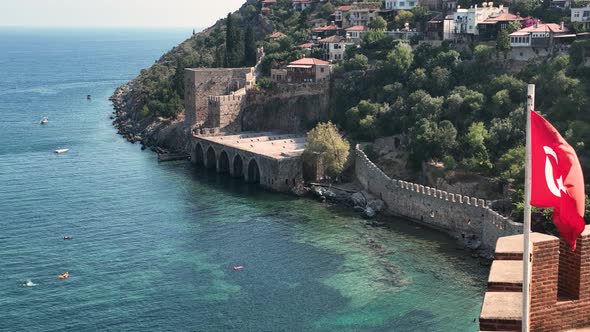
x=369, y=213
x=376, y=204
x=358, y=200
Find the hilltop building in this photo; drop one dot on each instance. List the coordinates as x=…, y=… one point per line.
x=306, y=70
x=581, y=16
x=334, y=47
x=400, y=4
x=363, y=13
x=541, y=39
x=327, y=31
x=356, y=33
x=467, y=23
x=341, y=16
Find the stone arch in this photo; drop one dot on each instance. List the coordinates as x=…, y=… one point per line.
x=199, y=157
x=223, y=162
x=253, y=171
x=211, y=159
x=238, y=166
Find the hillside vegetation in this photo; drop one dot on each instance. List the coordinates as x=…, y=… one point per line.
x=465, y=109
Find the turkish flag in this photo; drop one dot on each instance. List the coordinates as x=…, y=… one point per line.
x=557, y=179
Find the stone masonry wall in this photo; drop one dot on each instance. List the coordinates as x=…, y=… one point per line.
x=286, y=107
x=200, y=83
x=224, y=111
x=460, y=216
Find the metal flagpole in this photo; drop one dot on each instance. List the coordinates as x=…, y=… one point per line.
x=526, y=227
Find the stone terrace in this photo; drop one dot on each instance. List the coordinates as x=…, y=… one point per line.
x=265, y=143
x=270, y=159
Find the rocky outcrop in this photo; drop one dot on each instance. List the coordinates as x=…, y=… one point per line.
x=160, y=134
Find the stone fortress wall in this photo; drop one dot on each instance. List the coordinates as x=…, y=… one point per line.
x=223, y=84
x=460, y=216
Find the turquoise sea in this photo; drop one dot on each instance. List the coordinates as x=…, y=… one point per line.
x=154, y=244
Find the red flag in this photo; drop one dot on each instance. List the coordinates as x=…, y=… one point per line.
x=557, y=179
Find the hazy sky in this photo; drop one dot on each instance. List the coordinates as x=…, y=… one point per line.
x=114, y=13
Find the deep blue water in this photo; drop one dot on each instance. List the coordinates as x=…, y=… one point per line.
x=154, y=243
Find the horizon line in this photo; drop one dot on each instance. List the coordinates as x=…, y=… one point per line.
x=197, y=28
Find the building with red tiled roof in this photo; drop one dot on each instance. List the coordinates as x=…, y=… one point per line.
x=540, y=39
x=356, y=33
x=306, y=45
x=327, y=31
x=334, y=47
x=306, y=70
x=340, y=16
x=488, y=29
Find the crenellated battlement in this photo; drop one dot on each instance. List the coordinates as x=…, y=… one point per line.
x=460, y=215
x=225, y=100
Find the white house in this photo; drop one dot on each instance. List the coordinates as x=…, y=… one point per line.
x=465, y=21
x=334, y=47
x=356, y=33
x=400, y=4
x=581, y=16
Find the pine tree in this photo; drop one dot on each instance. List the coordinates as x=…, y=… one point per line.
x=229, y=41
x=249, y=47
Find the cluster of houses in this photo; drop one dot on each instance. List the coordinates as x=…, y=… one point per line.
x=476, y=24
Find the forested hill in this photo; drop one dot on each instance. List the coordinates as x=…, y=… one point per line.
x=158, y=90
x=459, y=104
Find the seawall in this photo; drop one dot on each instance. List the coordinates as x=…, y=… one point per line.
x=459, y=216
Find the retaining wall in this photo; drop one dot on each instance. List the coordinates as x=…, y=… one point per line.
x=460, y=216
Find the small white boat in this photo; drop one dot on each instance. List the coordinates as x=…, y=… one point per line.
x=44, y=120
x=60, y=151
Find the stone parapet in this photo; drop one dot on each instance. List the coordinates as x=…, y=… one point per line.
x=560, y=283
x=461, y=216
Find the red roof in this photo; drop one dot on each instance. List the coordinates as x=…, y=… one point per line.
x=344, y=8
x=306, y=45
x=277, y=35
x=332, y=39
x=327, y=28
x=541, y=27
x=502, y=18
x=309, y=62
x=357, y=28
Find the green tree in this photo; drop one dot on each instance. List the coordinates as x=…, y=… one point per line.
x=402, y=18
x=326, y=143
x=378, y=24
x=424, y=106
x=249, y=47
x=421, y=16
x=430, y=140
x=477, y=158
x=418, y=79
x=358, y=62
x=401, y=58
x=234, y=44
x=327, y=10
x=483, y=53
x=440, y=80
x=511, y=165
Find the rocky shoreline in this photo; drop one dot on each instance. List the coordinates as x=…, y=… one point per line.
x=134, y=129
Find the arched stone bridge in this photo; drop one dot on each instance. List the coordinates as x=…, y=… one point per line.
x=272, y=160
